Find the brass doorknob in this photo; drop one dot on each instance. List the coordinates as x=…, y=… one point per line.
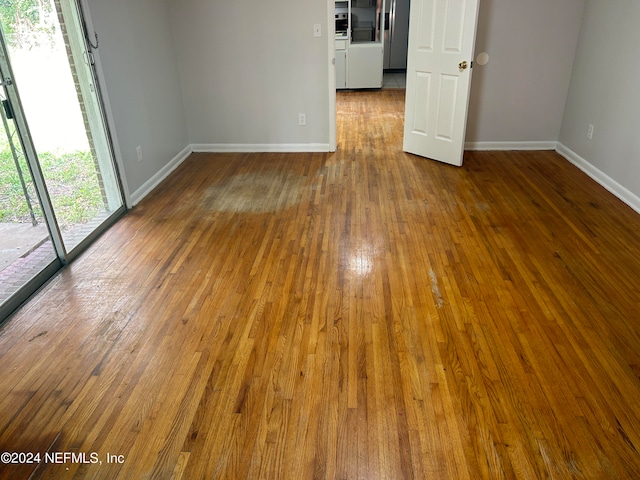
x=463, y=65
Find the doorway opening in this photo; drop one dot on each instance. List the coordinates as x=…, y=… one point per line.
x=441, y=40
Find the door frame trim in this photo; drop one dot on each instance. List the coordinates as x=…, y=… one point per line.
x=103, y=95
x=331, y=48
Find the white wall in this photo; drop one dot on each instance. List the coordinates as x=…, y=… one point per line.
x=519, y=96
x=137, y=60
x=248, y=68
x=604, y=93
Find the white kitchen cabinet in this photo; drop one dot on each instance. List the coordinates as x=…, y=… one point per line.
x=364, y=68
x=363, y=51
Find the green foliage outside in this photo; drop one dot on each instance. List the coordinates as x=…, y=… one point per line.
x=71, y=180
x=25, y=22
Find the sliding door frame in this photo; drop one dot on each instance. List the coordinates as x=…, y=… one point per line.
x=63, y=257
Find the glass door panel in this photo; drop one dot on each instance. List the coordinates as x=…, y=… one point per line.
x=54, y=77
x=25, y=244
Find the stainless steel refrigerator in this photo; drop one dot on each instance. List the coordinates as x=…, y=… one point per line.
x=396, y=34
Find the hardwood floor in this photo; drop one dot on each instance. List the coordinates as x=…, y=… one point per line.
x=359, y=314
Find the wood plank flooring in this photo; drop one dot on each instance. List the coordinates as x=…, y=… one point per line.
x=358, y=314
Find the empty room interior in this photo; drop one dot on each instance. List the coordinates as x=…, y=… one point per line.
x=267, y=285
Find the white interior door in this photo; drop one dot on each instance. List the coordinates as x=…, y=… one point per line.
x=441, y=41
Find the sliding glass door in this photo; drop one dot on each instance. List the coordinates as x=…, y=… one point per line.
x=27, y=254
x=57, y=171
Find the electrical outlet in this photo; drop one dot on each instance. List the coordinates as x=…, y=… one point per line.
x=590, y=132
x=139, y=152
x=302, y=119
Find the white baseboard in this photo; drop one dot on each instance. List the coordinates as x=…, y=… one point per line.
x=480, y=146
x=260, y=147
x=603, y=179
x=627, y=196
x=164, y=172
x=137, y=196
